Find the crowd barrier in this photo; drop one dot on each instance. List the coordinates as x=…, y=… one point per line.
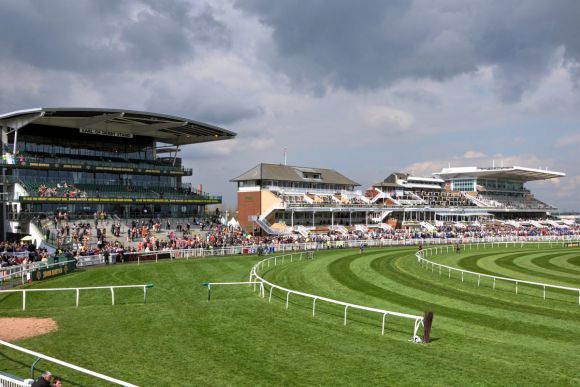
x=11, y=276
x=434, y=251
x=275, y=248
x=9, y=381
x=19, y=271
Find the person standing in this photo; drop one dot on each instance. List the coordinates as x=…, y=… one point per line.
x=44, y=380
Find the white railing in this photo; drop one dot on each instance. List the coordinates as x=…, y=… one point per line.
x=433, y=251
x=256, y=278
x=156, y=255
x=21, y=271
x=7, y=381
x=78, y=291
x=65, y=364
x=314, y=191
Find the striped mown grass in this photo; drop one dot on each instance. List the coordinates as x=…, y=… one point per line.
x=481, y=336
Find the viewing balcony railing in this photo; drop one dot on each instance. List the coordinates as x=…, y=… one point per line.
x=402, y=205
x=107, y=189
x=312, y=191
x=152, y=165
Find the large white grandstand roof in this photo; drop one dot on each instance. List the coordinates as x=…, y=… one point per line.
x=119, y=123
x=513, y=173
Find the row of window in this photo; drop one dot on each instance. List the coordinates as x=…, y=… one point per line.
x=104, y=150
x=95, y=178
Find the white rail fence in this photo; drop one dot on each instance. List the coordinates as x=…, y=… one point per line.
x=8, y=381
x=257, y=280
x=20, y=272
x=78, y=291
x=434, y=251
x=98, y=259
x=274, y=248
x=61, y=363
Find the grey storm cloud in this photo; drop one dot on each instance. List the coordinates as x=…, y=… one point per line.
x=106, y=35
x=211, y=102
x=370, y=44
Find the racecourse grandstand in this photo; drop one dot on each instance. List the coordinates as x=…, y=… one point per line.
x=278, y=199
x=80, y=162
x=500, y=189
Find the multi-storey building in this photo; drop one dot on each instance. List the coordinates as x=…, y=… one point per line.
x=281, y=198
x=80, y=161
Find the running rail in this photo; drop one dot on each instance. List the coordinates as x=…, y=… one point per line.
x=256, y=278
x=67, y=365
x=434, y=250
x=23, y=269
x=78, y=291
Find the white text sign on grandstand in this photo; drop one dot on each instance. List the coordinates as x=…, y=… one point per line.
x=110, y=133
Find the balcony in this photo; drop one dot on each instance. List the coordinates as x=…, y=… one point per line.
x=41, y=191
x=73, y=164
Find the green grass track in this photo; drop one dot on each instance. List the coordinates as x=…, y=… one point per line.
x=481, y=336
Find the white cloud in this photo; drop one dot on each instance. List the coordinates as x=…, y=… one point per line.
x=473, y=155
x=410, y=123
x=386, y=117
x=567, y=140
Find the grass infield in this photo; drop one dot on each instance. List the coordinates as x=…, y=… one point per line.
x=481, y=336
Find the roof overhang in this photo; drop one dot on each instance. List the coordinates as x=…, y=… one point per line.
x=514, y=173
x=120, y=123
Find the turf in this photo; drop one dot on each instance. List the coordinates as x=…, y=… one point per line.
x=481, y=336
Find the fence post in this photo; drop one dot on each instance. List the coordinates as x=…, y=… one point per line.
x=287, y=297
x=270, y=297
x=112, y=296
x=78, y=296
x=544, y=292
x=345, y=309
x=24, y=300
x=383, y=328
x=313, y=306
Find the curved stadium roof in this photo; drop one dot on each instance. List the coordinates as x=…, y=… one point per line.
x=161, y=127
x=514, y=172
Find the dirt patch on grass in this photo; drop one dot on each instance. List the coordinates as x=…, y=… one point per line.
x=16, y=328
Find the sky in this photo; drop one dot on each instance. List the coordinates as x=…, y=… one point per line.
x=363, y=87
